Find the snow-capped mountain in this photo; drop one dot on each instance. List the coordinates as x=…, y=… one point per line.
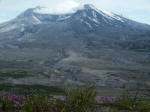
x=87, y=21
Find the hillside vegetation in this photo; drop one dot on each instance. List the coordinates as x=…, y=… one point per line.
x=75, y=100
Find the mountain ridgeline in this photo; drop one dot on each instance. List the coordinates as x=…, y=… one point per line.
x=85, y=25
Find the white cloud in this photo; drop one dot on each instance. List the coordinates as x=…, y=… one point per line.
x=62, y=8
x=68, y=6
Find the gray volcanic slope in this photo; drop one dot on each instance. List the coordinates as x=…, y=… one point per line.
x=87, y=47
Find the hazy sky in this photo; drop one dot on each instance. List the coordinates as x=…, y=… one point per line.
x=138, y=10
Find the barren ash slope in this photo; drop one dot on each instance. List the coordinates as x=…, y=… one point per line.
x=88, y=46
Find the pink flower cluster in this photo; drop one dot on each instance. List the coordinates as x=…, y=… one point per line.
x=110, y=100
x=56, y=105
x=15, y=100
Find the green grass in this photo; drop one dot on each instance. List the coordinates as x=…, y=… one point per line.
x=80, y=99
x=15, y=74
x=31, y=89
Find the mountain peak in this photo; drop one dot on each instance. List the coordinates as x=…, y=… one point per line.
x=89, y=6
x=39, y=7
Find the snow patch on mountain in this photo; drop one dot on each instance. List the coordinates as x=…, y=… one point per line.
x=64, y=18
x=22, y=28
x=113, y=16
x=110, y=16
x=36, y=20
x=94, y=14
x=8, y=28
x=94, y=20
x=106, y=14
x=88, y=25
